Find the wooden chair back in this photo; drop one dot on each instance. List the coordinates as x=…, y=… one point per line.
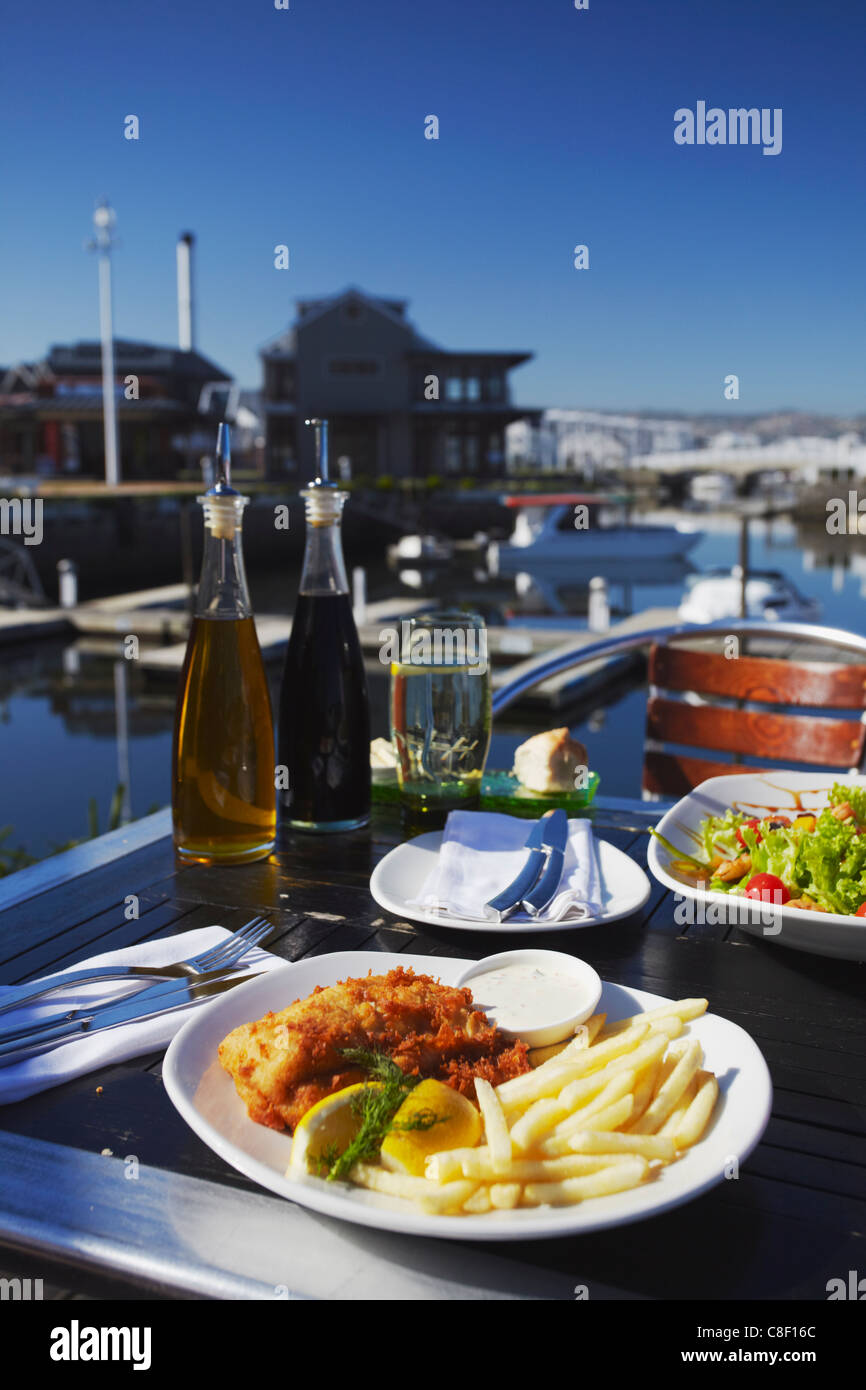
x=761, y=731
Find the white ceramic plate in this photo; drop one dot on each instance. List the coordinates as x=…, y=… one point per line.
x=205, y=1096
x=397, y=878
x=821, y=933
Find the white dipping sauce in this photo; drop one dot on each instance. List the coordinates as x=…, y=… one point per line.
x=527, y=996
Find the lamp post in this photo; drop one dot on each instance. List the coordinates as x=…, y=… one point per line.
x=103, y=224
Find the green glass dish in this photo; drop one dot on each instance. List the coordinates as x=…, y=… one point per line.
x=500, y=791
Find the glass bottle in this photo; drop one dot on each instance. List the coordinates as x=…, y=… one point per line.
x=324, y=720
x=223, y=792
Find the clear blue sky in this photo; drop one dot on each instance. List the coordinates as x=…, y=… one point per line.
x=305, y=127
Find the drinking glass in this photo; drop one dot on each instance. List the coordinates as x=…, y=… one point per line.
x=440, y=711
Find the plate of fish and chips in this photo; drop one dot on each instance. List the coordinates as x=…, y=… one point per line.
x=649, y=1104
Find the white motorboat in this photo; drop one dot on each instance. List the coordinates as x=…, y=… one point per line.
x=712, y=489
x=770, y=595
x=576, y=527
x=428, y=549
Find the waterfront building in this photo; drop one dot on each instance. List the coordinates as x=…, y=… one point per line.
x=397, y=403
x=51, y=411
x=590, y=442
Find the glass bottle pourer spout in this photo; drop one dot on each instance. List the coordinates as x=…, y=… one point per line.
x=322, y=479
x=223, y=505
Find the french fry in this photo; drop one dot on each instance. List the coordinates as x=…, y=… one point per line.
x=585, y=1034
x=551, y=1077
x=678, y=1114
x=694, y=1123
x=688, y=1061
x=671, y=1027
x=684, y=1009
x=504, y=1196
x=614, y=1116
x=433, y=1197
x=594, y=1026
x=447, y=1165
x=620, y=1084
x=556, y=1141
x=538, y=1169
x=618, y=1177
x=495, y=1128
x=590, y=1141
x=541, y=1116
x=544, y=1114
x=479, y=1202
x=646, y=1055
x=646, y=1087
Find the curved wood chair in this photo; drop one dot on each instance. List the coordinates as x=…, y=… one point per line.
x=752, y=720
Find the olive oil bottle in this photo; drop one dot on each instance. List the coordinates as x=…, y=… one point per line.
x=324, y=722
x=223, y=792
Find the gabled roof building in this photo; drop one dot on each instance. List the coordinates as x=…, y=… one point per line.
x=51, y=411
x=397, y=403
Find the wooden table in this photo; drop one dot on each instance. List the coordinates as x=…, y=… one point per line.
x=189, y=1225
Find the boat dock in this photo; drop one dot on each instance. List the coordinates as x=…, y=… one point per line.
x=159, y=618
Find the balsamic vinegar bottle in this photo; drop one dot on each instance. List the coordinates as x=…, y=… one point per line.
x=223, y=795
x=324, y=721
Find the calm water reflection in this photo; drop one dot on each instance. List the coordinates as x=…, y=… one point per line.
x=73, y=725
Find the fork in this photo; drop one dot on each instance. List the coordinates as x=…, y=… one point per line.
x=220, y=957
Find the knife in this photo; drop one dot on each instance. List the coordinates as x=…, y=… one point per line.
x=545, y=889
x=158, y=999
x=506, y=902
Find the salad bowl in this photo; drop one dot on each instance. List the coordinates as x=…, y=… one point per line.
x=758, y=796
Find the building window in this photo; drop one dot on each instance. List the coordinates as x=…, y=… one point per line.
x=472, y=389
x=454, y=388
x=453, y=452
x=353, y=366
x=470, y=453
x=494, y=388
x=280, y=381
x=495, y=455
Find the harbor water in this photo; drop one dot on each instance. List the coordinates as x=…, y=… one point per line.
x=74, y=727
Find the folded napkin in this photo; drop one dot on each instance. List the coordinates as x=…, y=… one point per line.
x=482, y=852
x=71, y=1059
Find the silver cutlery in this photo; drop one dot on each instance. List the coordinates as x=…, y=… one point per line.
x=536, y=884
x=547, y=884
x=150, y=1003
x=219, y=957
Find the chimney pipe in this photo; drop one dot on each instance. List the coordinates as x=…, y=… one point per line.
x=185, y=320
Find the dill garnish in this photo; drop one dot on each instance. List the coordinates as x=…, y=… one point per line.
x=376, y=1107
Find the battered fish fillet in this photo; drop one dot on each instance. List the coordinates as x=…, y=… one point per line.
x=286, y=1061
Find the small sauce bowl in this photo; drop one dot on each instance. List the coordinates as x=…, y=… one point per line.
x=538, y=996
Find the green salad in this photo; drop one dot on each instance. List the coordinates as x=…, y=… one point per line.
x=810, y=860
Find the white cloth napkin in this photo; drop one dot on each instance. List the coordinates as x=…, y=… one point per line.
x=482, y=852
x=27, y=1078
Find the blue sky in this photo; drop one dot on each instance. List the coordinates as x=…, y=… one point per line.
x=306, y=127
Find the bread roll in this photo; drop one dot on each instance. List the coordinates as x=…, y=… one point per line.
x=548, y=762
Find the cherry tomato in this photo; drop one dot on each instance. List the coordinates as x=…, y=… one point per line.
x=767, y=889
x=773, y=823
x=861, y=911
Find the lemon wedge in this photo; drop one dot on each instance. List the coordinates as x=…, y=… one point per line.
x=458, y=1126
x=328, y=1126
